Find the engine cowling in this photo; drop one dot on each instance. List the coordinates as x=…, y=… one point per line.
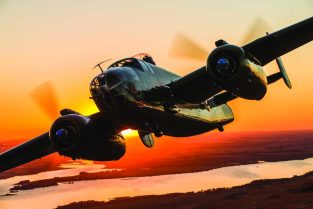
x=77, y=136
x=229, y=69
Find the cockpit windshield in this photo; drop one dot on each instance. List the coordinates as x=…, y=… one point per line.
x=139, y=61
x=108, y=81
x=145, y=57
x=98, y=81
x=128, y=62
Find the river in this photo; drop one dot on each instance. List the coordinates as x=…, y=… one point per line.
x=51, y=197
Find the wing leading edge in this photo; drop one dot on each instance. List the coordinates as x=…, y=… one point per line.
x=276, y=44
x=24, y=153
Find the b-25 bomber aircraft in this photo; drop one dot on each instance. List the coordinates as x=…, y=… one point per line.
x=134, y=93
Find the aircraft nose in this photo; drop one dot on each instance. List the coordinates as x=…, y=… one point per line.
x=110, y=90
x=116, y=89
x=113, y=81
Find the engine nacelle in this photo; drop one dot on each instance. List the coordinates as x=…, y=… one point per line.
x=77, y=136
x=229, y=69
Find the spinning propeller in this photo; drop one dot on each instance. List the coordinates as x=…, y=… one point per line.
x=46, y=98
x=185, y=47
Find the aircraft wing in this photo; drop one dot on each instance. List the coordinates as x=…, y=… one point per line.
x=274, y=45
x=197, y=86
x=24, y=153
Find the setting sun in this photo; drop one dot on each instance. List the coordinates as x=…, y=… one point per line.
x=129, y=133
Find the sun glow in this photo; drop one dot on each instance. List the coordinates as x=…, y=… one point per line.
x=129, y=133
x=88, y=109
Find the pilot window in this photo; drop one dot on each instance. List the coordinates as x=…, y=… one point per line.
x=133, y=63
x=146, y=66
x=98, y=81
x=112, y=80
x=130, y=62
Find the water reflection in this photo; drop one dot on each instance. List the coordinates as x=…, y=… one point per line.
x=69, y=169
x=108, y=189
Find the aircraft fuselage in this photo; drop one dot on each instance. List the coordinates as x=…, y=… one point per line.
x=119, y=92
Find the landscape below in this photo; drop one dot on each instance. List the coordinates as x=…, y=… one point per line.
x=194, y=154
x=290, y=193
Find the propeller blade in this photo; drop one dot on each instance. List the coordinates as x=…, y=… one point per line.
x=45, y=96
x=184, y=47
x=257, y=29
x=24, y=153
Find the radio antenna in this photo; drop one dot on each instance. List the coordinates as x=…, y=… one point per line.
x=99, y=64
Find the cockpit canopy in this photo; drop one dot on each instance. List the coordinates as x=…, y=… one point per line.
x=142, y=62
x=128, y=62
x=145, y=57
x=134, y=61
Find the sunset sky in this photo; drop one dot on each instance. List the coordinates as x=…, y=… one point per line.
x=61, y=41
